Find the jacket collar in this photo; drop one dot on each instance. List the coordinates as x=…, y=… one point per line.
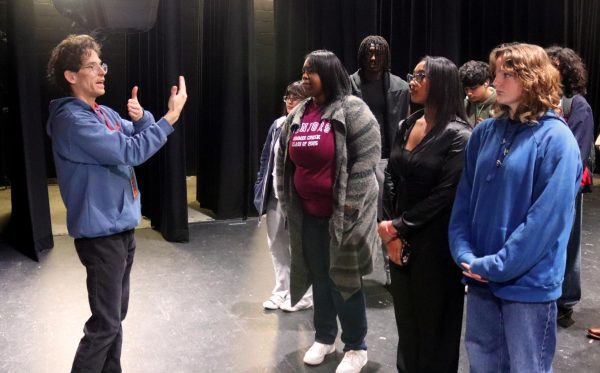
x=331, y=112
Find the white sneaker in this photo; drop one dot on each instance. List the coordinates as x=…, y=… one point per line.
x=302, y=304
x=352, y=362
x=316, y=353
x=273, y=302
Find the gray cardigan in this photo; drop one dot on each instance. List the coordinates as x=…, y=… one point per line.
x=353, y=223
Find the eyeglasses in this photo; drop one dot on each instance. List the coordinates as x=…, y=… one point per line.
x=416, y=76
x=102, y=68
x=291, y=98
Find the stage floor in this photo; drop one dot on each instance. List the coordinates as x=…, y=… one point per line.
x=196, y=307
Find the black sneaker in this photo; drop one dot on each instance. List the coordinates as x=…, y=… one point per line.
x=564, y=317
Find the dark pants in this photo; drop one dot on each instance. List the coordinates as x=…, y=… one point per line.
x=428, y=305
x=107, y=261
x=328, y=302
x=571, y=286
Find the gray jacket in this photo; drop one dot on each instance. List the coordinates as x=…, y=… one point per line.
x=353, y=223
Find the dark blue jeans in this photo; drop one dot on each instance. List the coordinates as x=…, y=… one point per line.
x=571, y=287
x=505, y=336
x=328, y=302
x=107, y=261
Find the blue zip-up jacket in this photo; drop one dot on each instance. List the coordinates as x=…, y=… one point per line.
x=94, y=153
x=513, y=210
x=264, y=178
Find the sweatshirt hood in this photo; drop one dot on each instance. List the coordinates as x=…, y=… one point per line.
x=56, y=107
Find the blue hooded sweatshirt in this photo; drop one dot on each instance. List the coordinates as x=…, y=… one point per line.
x=514, y=206
x=94, y=153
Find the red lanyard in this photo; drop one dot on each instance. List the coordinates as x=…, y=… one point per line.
x=100, y=113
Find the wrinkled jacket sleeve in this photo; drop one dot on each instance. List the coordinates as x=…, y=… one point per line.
x=441, y=196
x=146, y=121
x=262, y=177
x=280, y=159
x=91, y=142
x=581, y=123
x=389, y=196
x=459, y=231
x=551, y=211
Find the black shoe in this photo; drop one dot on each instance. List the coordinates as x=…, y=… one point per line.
x=563, y=317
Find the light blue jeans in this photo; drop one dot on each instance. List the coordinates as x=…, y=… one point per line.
x=503, y=336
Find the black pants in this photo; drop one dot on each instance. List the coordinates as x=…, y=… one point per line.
x=428, y=305
x=107, y=261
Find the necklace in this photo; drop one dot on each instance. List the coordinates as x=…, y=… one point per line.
x=506, y=143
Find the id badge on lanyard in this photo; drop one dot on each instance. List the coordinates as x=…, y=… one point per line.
x=133, y=181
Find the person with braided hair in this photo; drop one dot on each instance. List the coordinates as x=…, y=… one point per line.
x=388, y=97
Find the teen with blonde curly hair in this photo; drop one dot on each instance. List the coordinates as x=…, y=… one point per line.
x=512, y=216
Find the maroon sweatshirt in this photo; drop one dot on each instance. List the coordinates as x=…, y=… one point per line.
x=312, y=150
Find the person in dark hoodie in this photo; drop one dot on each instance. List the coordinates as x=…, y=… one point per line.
x=94, y=153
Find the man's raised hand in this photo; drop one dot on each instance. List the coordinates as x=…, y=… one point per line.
x=135, y=110
x=176, y=101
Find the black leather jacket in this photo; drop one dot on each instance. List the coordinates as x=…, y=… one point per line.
x=420, y=184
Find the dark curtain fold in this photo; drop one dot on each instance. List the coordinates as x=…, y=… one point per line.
x=224, y=172
x=29, y=229
x=154, y=62
x=302, y=26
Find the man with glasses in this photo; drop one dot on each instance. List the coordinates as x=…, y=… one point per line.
x=94, y=153
x=388, y=98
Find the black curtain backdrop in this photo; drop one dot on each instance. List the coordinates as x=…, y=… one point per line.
x=154, y=62
x=302, y=26
x=460, y=30
x=227, y=120
x=29, y=229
